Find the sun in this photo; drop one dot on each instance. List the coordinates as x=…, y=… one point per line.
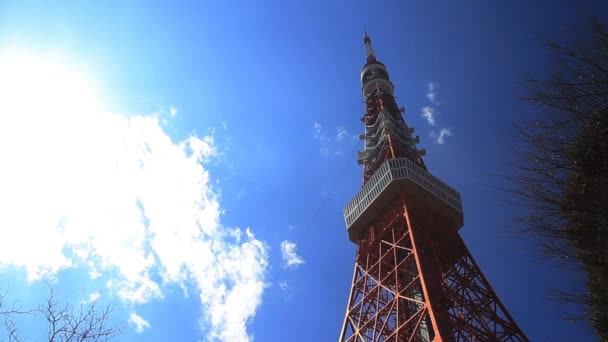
x=44, y=99
x=36, y=85
x=48, y=106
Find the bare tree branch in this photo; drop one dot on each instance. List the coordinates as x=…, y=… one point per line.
x=89, y=321
x=561, y=175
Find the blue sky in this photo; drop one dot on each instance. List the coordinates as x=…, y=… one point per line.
x=190, y=161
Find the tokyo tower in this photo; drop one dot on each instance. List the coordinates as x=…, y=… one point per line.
x=414, y=278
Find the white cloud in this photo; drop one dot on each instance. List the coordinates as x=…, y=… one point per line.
x=445, y=132
x=341, y=133
x=289, y=255
x=139, y=323
x=114, y=194
x=93, y=273
x=94, y=296
x=317, y=129
x=172, y=111
x=429, y=114
x=431, y=92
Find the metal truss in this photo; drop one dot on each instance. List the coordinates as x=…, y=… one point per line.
x=415, y=280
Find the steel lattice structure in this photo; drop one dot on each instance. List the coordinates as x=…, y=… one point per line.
x=414, y=278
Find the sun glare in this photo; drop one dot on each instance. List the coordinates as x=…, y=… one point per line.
x=35, y=85
x=112, y=193
x=48, y=109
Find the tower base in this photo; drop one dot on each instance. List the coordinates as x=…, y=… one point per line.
x=414, y=281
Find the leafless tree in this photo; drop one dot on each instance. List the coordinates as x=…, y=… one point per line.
x=88, y=321
x=8, y=311
x=561, y=175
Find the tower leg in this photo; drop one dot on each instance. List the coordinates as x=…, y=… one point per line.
x=415, y=280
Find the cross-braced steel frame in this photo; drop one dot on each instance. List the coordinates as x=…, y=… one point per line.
x=415, y=280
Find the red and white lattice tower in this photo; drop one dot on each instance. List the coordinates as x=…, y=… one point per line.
x=414, y=278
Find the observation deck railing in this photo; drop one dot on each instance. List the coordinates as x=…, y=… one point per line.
x=400, y=176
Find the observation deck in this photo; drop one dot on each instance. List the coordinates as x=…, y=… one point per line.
x=393, y=177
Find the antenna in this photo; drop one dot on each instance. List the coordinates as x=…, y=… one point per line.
x=369, y=49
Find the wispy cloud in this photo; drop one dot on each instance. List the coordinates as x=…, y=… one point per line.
x=286, y=290
x=93, y=274
x=445, y=132
x=138, y=322
x=431, y=92
x=428, y=113
x=317, y=129
x=328, y=144
x=289, y=255
x=172, y=111
x=122, y=200
x=94, y=296
x=283, y=285
x=341, y=134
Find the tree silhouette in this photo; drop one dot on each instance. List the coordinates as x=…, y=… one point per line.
x=561, y=173
x=88, y=321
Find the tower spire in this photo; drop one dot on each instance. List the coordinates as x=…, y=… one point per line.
x=369, y=49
